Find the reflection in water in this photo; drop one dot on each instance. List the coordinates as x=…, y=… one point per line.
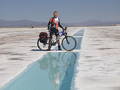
x=60, y=68
x=53, y=72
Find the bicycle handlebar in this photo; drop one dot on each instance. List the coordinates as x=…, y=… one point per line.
x=65, y=28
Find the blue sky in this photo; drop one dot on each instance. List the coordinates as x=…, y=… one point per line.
x=70, y=10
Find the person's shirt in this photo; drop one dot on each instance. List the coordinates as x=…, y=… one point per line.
x=54, y=22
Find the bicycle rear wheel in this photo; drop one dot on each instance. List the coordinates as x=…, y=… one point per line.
x=42, y=46
x=69, y=43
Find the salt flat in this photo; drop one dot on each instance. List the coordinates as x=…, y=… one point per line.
x=18, y=49
x=99, y=64
x=98, y=67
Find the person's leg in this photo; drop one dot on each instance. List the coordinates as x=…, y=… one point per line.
x=58, y=41
x=49, y=46
x=59, y=47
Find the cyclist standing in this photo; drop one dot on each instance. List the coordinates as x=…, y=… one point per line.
x=53, y=25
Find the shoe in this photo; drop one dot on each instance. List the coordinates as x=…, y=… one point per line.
x=49, y=49
x=59, y=48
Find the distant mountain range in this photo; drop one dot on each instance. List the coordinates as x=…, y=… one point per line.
x=30, y=23
x=21, y=23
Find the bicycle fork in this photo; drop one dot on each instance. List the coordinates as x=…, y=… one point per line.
x=67, y=40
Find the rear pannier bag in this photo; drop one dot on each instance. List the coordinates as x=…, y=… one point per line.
x=43, y=37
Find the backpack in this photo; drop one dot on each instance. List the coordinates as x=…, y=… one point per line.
x=43, y=37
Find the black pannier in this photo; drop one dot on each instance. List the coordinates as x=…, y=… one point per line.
x=43, y=37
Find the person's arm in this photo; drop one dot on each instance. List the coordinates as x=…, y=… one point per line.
x=60, y=25
x=49, y=23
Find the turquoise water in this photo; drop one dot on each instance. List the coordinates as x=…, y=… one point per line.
x=55, y=71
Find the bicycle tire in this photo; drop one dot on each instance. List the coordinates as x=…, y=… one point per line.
x=75, y=42
x=38, y=45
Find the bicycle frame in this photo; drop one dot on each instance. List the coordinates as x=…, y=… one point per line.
x=63, y=33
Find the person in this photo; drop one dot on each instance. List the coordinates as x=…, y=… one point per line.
x=53, y=25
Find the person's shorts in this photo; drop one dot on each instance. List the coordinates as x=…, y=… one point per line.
x=54, y=31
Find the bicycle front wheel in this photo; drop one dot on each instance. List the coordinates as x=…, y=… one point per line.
x=69, y=43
